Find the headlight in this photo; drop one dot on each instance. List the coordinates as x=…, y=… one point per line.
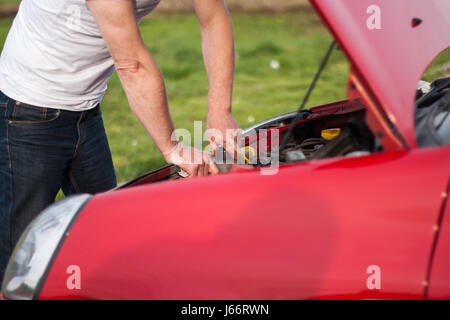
x=38, y=246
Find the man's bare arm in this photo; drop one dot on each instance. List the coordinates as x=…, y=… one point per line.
x=218, y=51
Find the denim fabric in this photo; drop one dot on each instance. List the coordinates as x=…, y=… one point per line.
x=43, y=150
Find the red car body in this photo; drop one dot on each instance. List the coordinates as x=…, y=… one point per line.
x=312, y=230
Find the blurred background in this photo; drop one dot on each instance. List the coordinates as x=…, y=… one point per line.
x=279, y=45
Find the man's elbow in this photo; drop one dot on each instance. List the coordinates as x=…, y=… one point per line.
x=137, y=71
x=127, y=65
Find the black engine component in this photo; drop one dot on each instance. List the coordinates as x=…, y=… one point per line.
x=356, y=137
x=432, y=118
x=306, y=143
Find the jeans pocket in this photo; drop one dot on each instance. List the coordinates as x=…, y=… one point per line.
x=32, y=115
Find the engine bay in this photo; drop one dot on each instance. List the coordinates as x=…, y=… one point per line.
x=334, y=130
x=330, y=136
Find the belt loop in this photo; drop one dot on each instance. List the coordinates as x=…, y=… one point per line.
x=10, y=107
x=82, y=117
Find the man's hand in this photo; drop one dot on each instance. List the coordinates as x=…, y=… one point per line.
x=223, y=130
x=193, y=161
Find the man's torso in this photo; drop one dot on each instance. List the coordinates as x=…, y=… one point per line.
x=55, y=56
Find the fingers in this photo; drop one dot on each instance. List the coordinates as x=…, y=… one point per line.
x=210, y=165
x=233, y=141
x=212, y=168
x=229, y=139
x=195, y=172
x=204, y=169
x=196, y=163
x=214, y=146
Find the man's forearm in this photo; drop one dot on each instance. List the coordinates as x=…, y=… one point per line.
x=144, y=86
x=219, y=56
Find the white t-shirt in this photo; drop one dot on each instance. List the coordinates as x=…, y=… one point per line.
x=54, y=55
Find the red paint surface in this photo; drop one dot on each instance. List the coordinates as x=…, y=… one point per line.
x=440, y=271
x=308, y=232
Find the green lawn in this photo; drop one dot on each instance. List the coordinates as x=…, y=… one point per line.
x=297, y=41
x=9, y=3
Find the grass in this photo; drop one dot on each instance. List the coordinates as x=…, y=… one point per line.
x=9, y=3
x=296, y=40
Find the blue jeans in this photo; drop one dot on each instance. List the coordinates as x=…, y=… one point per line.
x=43, y=150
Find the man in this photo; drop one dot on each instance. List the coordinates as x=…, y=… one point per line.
x=54, y=67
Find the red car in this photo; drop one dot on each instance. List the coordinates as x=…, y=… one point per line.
x=358, y=208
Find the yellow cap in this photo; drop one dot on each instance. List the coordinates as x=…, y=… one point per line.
x=330, y=134
x=247, y=154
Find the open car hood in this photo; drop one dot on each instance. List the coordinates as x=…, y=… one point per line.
x=389, y=62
